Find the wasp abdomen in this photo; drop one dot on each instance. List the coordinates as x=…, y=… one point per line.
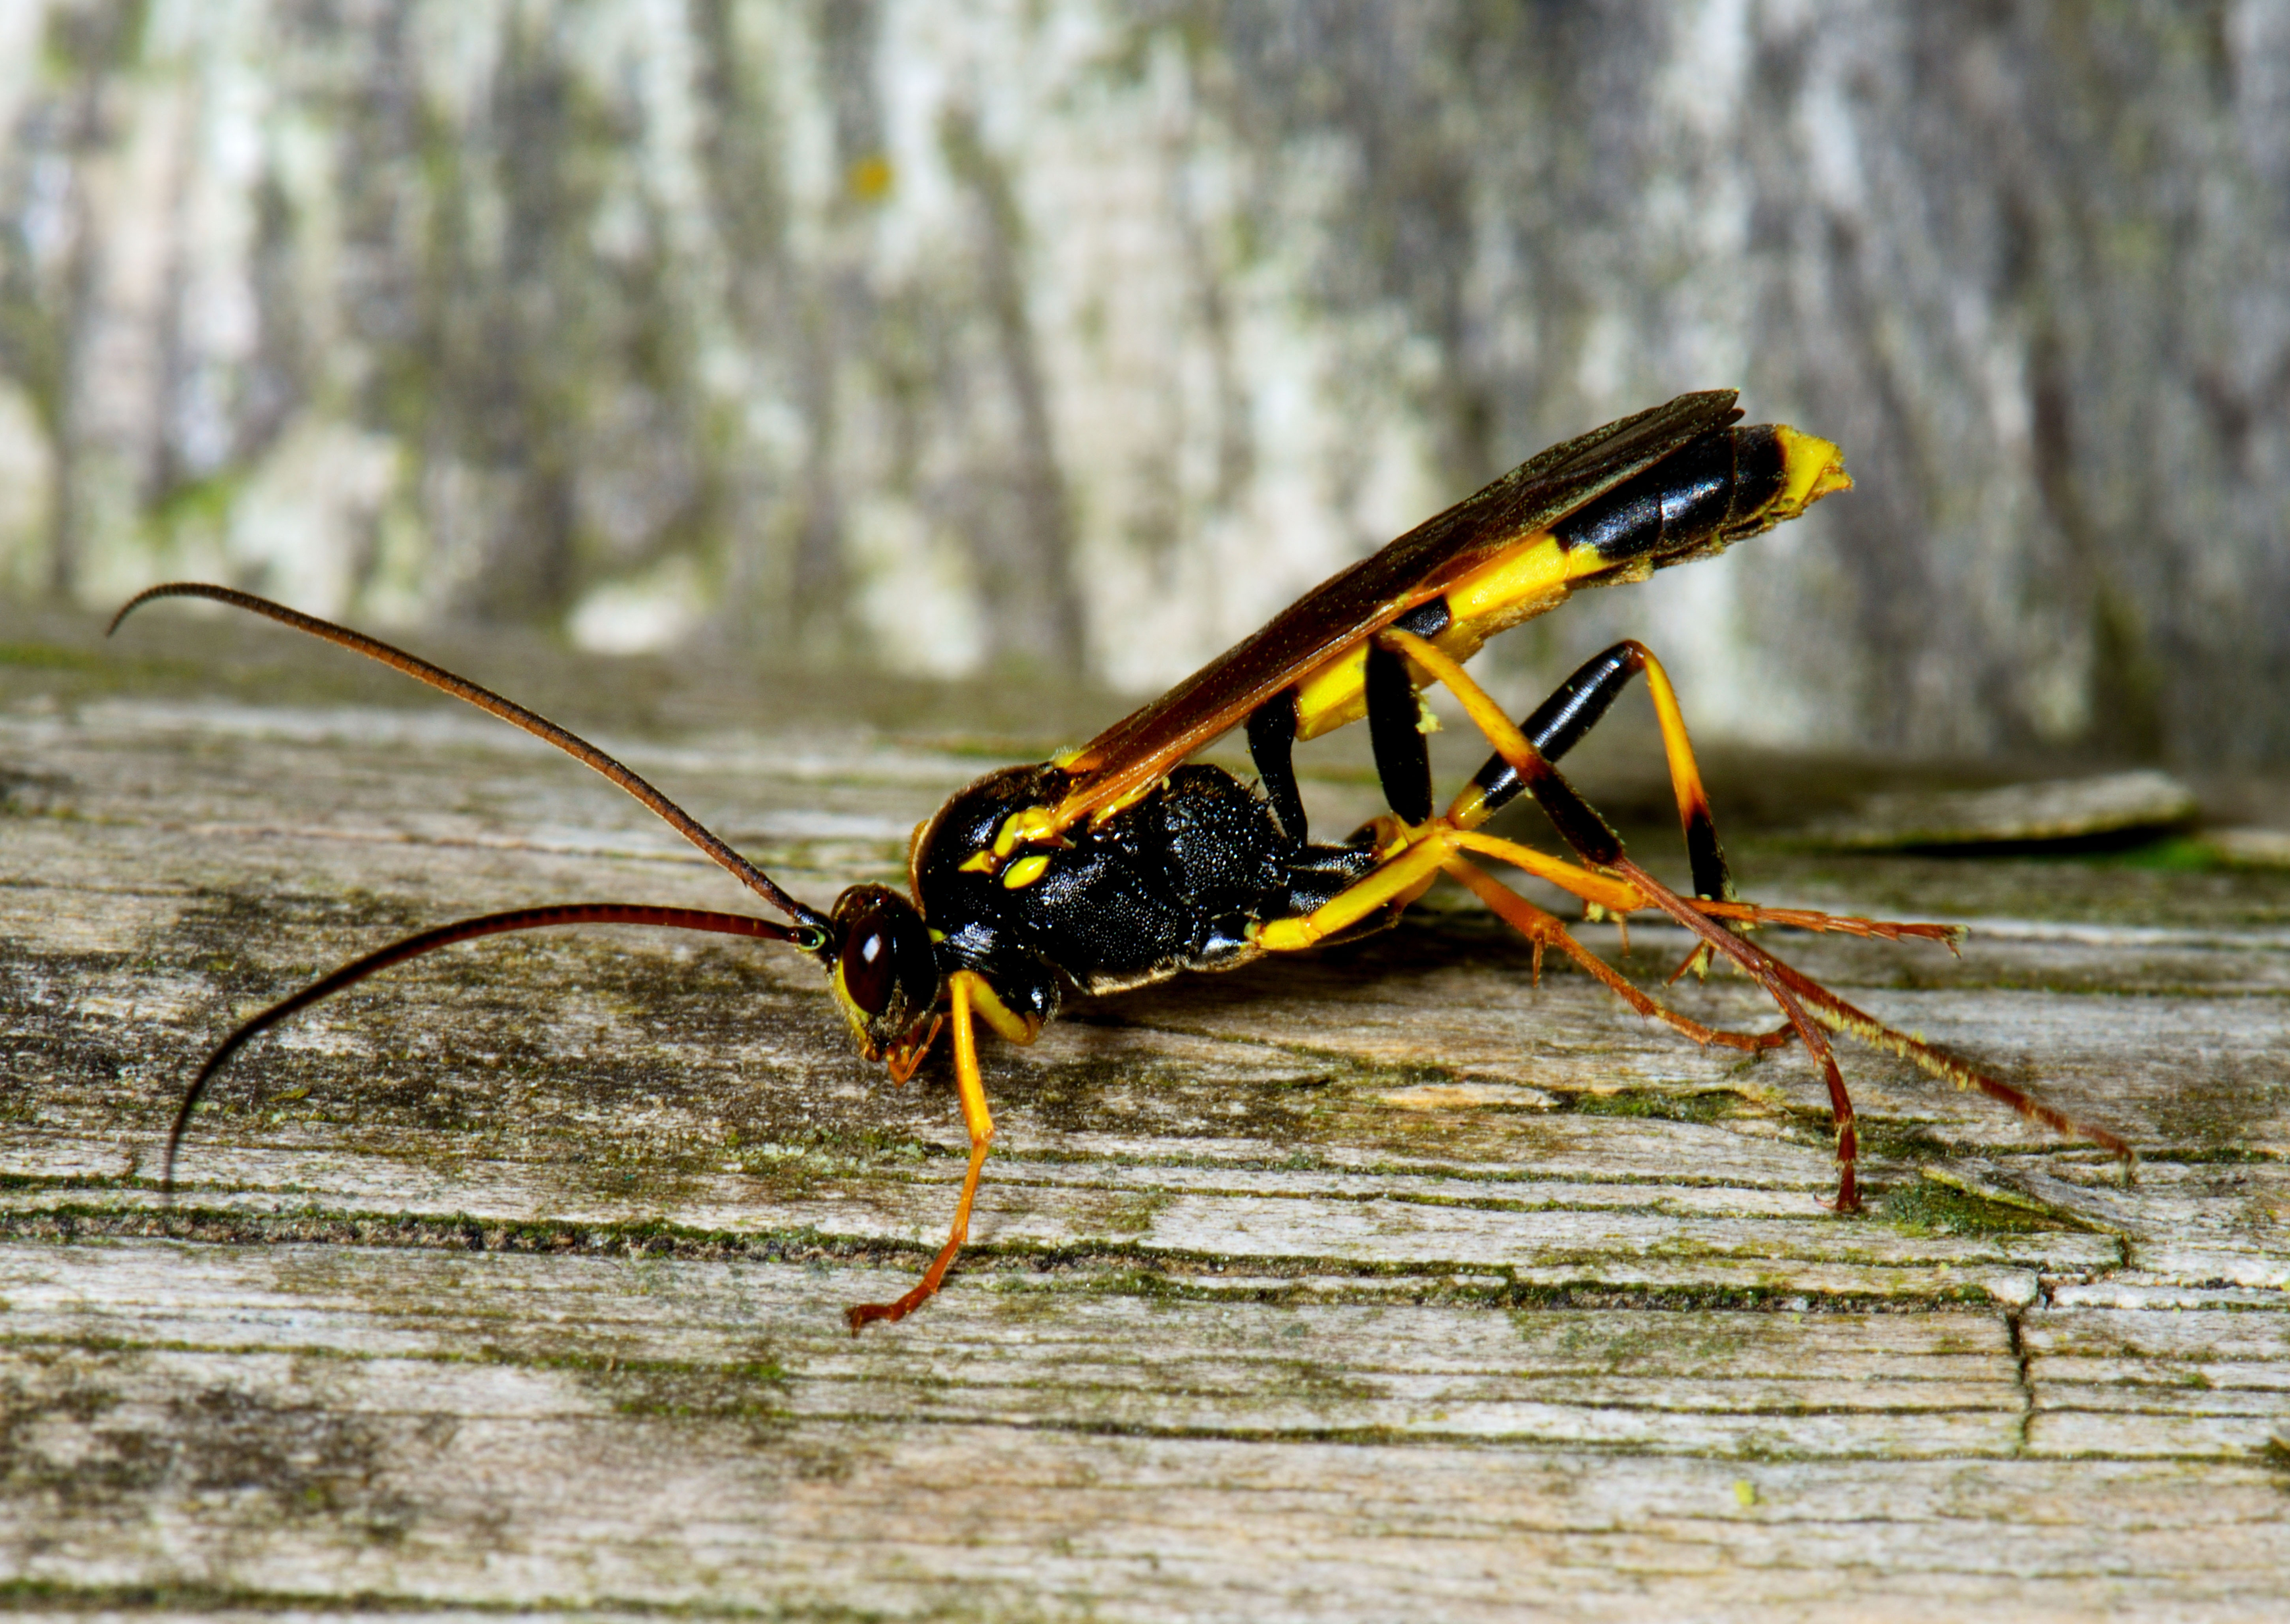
x=1709, y=488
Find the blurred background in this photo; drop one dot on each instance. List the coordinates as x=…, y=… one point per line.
x=1073, y=338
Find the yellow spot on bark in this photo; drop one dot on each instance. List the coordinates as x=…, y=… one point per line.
x=869, y=178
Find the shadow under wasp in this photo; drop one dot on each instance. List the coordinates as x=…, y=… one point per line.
x=1124, y=862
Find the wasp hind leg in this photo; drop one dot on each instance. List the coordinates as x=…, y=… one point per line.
x=1578, y=705
x=1808, y=1006
x=1421, y=855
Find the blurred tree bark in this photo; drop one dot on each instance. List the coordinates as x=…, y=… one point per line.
x=1083, y=335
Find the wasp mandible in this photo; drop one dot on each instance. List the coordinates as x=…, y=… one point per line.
x=1124, y=862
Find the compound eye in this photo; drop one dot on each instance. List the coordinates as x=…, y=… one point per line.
x=869, y=961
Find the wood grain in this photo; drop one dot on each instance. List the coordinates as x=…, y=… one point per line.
x=1384, y=1285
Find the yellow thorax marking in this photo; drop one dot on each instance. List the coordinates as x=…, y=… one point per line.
x=1026, y=870
x=1032, y=826
x=1026, y=828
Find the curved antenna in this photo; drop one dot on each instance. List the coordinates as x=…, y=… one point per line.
x=509, y=711
x=810, y=938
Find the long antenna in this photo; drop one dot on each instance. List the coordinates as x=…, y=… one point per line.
x=509, y=711
x=809, y=938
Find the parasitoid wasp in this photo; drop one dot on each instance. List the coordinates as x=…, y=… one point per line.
x=1124, y=862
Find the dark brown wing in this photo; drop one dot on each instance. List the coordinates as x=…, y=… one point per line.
x=1373, y=593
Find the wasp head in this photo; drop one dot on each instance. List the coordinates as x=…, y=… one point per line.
x=884, y=966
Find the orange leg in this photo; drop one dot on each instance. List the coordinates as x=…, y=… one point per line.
x=1605, y=891
x=1837, y=1014
x=1948, y=936
x=1700, y=831
x=1528, y=762
x=1808, y=1006
x=980, y=1124
x=1601, y=891
x=1433, y=849
x=1614, y=896
x=1546, y=930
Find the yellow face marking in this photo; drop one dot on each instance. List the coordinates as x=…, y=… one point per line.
x=852, y=1014
x=980, y=862
x=1025, y=871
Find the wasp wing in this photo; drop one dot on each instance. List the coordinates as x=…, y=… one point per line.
x=1339, y=612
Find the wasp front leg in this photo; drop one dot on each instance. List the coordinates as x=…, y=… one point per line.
x=968, y=996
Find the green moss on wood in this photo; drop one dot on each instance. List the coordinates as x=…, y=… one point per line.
x=1922, y=1206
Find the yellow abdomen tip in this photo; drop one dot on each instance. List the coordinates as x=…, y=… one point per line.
x=1814, y=468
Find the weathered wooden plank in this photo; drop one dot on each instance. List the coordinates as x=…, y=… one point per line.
x=250, y=1495
x=2199, y=1335
x=1387, y=1283
x=408, y=1395
x=1920, y=1421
